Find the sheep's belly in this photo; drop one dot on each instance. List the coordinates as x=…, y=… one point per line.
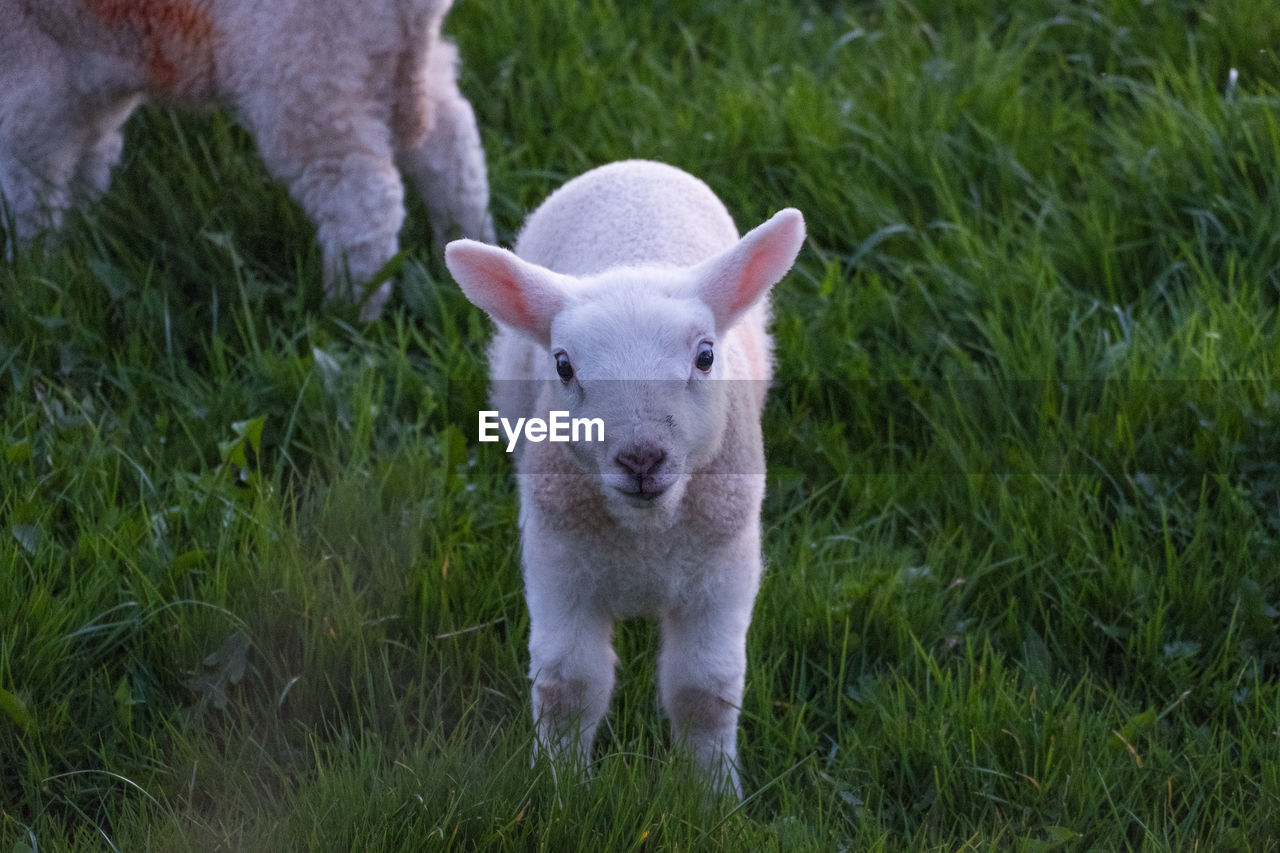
x=648, y=594
x=633, y=580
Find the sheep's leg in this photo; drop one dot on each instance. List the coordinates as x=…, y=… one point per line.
x=448, y=167
x=40, y=136
x=572, y=666
x=68, y=155
x=701, y=672
x=336, y=159
x=102, y=153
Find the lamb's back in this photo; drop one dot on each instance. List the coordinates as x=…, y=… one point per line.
x=633, y=213
x=205, y=50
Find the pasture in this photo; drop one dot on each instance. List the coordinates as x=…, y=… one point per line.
x=259, y=582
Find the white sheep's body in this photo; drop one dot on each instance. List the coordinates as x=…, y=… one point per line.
x=630, y=274
x=338, y=97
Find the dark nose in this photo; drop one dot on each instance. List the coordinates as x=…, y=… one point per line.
x=641, y=460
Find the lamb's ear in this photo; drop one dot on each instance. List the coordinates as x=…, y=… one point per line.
x=512, y=291
x=732, y=281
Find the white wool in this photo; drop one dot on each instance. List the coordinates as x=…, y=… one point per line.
x=628, y=273
x=628, y=214
x=339, y=96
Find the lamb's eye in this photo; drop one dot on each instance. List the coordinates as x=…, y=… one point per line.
x=704, y=357
x=563, y=367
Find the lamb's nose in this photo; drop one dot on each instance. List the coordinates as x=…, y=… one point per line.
x=641, y=460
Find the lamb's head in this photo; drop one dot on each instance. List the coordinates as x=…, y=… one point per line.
x=640, y=349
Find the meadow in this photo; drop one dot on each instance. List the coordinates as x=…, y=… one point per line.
x=259, y=584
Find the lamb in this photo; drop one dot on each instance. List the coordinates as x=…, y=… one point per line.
x=630, y=298
x=336, y=94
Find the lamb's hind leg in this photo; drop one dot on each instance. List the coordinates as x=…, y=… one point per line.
x=337, y=162
x=40, y=134
x=448, y=166
x=102, y=152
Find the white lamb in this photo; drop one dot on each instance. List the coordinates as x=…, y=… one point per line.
x=336, y=94
x=630, y=298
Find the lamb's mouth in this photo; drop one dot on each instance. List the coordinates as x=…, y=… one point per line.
x=641, y=493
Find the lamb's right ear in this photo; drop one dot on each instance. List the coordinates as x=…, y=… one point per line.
x=512, y=291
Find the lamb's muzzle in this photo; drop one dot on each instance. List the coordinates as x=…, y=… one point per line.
x=641, y=462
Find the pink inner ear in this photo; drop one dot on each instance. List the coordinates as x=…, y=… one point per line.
x=740, y=276
x=502, y=289
x=749, y=283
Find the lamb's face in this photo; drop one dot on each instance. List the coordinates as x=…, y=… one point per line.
x=635, y=348
x=646, y=366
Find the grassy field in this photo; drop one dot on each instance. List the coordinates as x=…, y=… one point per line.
x=259, y=585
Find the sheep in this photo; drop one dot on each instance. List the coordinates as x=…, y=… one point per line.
x=630, y=298
x=335, y=94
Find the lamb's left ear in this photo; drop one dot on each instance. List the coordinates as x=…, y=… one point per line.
x=732, y=281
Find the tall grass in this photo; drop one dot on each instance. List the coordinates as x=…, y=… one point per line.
x=260, y=586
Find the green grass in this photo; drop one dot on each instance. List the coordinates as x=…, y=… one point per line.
x=259, y=586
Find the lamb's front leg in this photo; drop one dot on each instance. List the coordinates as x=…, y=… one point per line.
x=572, y=666
x=701, y=673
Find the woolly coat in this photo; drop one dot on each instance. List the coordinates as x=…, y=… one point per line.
x=336, y=95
